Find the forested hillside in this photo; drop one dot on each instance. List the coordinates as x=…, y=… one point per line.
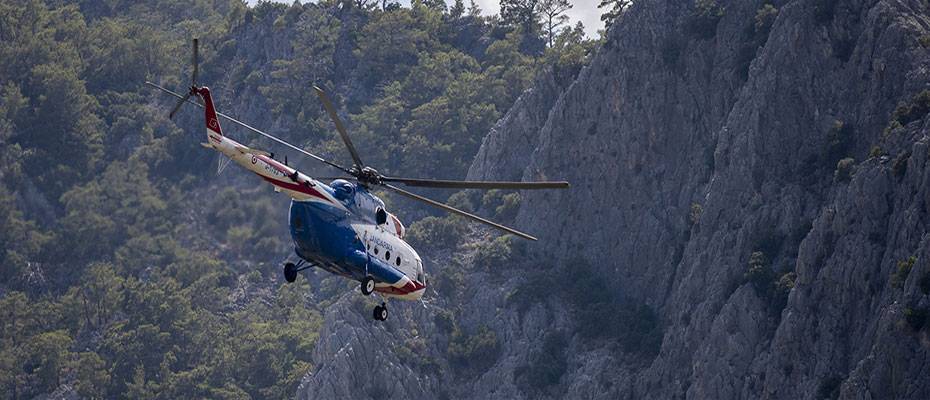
x=129, y=269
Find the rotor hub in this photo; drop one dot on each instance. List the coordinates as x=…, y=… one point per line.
x=367, y=175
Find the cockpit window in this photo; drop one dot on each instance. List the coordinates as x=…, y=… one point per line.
x=342, y=189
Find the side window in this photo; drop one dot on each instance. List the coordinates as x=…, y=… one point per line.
x=387, y=255
x=376, y=250
x=397, y=261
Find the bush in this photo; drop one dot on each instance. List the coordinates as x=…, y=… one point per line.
x=477, y=352
x=899, y=276
x=760, y=274
x=436, y=232
x=765, y=17
x=844, y=169
x=704, y=18
x=495, y=254
x=695, y=215
x=909, y=112
x=915, y=318
x=924, y=41
x=876, y=151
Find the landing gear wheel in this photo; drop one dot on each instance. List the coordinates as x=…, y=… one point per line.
x=290, y=272
x=368, y=285
x=380, y=313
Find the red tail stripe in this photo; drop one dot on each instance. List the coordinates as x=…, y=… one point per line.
x=213, y=123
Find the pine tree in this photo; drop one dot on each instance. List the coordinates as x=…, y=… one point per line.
x=552, y=13
x=616, y=8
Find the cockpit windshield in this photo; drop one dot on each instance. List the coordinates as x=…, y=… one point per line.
x=343, y=189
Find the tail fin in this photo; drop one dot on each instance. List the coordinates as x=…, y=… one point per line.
x=214, y=132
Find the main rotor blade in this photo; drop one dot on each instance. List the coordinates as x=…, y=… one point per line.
x=194, y=74
x=457, y=211
x=339, y=127
x=178, y=106
x=441, y=183
x=249, y=127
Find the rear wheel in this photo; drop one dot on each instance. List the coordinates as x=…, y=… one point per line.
x=290, y=272
x=368, y=285
x=380, y=313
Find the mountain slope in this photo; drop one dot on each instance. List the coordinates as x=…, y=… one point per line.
x=707, y=151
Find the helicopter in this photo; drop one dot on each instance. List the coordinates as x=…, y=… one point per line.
x=341, y=227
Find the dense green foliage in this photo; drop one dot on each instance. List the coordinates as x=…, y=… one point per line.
x=126, y=271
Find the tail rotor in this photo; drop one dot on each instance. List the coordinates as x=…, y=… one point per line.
x=193, y=88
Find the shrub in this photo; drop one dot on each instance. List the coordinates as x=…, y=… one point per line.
x=510, y=205
x=782, y=288
x=876, y=151
x=695, y=215
x=924, y=40
x=760, y=274
x=505, y=205
x=765, y=17
x=436, y=232
x=915, y=318
x=444, y=320
x=844, y=169
x=704, y=18
x=899, y=276
x=918, y=107
x=477, y=352
x=496, y=253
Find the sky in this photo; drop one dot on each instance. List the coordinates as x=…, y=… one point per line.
x=585, y=11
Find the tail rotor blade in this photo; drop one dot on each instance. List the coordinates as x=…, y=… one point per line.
x=194, y=73
x=178, y=106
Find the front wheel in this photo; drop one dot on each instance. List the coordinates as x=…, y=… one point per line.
x=368, y=285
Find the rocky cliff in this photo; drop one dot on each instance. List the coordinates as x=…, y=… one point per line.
x=751, y=176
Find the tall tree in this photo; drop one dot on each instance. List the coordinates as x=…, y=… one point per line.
x=457, y=10
x=473, y=9
x=552, y=14
x=615, y=8
x=520, y=13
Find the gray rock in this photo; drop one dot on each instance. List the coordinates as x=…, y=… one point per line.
x=738, y=124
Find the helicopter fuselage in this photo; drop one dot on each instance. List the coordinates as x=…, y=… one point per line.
x=341, y=228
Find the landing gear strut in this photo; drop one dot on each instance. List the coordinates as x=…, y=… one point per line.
x=380, y=312
x=291, y=270
x=368, y=285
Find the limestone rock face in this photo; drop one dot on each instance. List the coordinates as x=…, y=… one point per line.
x=691, y=142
